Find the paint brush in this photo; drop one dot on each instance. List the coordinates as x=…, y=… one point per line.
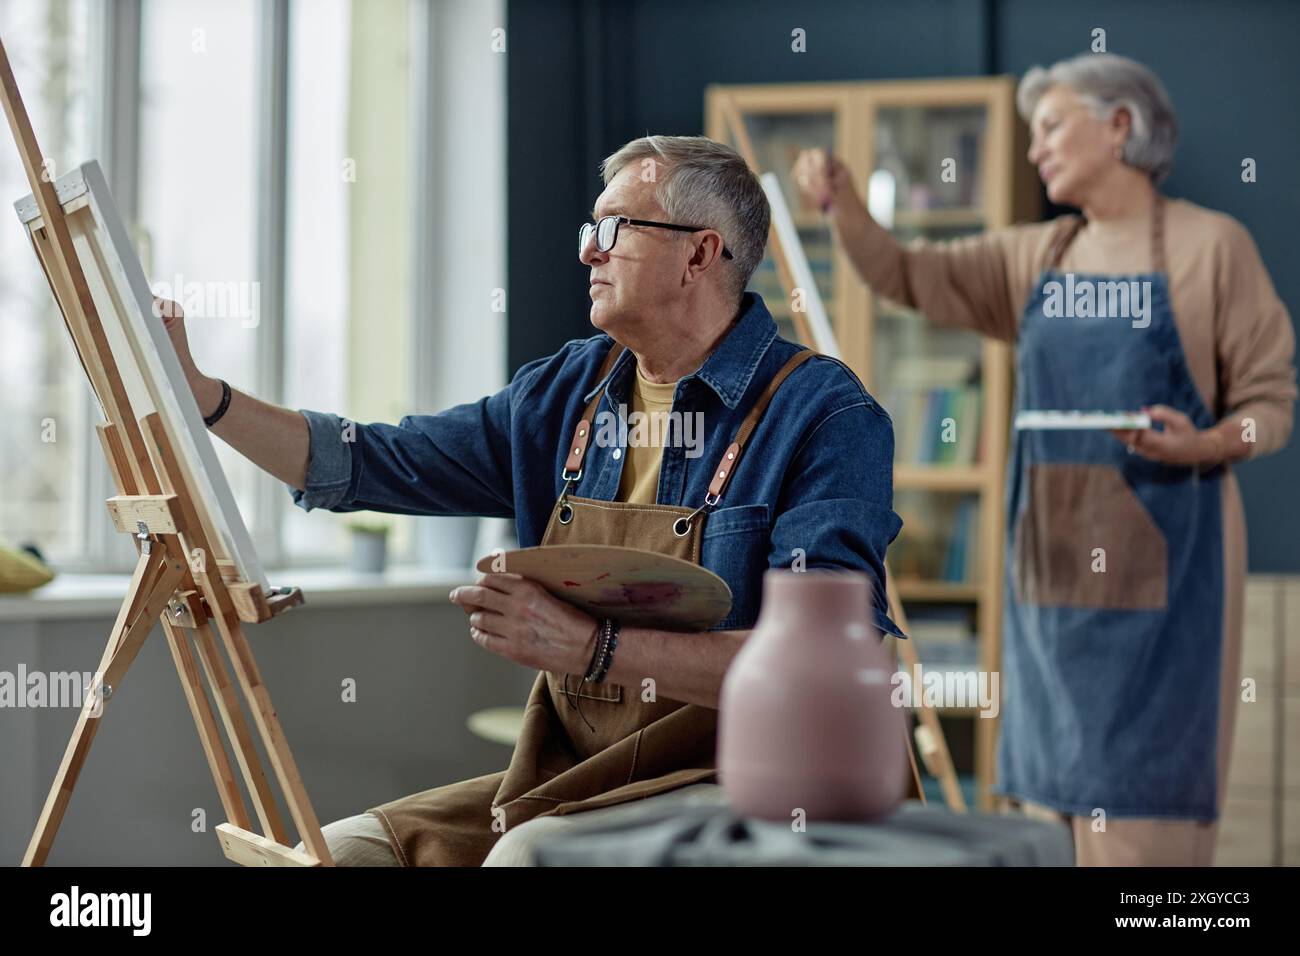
x=826, y=203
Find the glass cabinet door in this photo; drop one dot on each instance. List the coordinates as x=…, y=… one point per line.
x=935, y=160
x=927, y=178
x=777, y=139
x=926, y=182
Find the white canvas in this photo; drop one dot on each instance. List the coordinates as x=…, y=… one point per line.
x=150, y=371
x=818, y=321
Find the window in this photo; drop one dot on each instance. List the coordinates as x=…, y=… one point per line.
x=46, y=401
x=280, y=188
x=198, y=191
x=349, y=234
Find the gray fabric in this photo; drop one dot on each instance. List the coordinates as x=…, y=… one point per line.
x=914, y=835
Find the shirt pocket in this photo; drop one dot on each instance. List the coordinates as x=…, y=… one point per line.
x=735, y=547
x=1084, y=539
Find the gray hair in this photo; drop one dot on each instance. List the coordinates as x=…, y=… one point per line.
x=1106, y=81
x=705, y=183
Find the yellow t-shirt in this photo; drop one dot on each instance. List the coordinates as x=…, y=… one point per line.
x=640, y=481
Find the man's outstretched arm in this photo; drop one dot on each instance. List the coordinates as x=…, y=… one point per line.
x=273, y=438
x=455, y=462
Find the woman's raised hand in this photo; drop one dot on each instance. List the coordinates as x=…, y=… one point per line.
x=822, y=179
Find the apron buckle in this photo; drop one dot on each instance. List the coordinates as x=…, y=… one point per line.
x=566, y=510
x=682, y=526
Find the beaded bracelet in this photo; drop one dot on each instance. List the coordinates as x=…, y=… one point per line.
x=602, y=644
x=602, y=664
x=599, y=634
x=609, y=654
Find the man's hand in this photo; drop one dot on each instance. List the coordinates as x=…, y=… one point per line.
x=275, y=439
x=517, y=619
x=207, y=391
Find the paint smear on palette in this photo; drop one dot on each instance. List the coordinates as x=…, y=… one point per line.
x=642, y=594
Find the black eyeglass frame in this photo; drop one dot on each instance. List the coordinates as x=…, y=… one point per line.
x=583, y=235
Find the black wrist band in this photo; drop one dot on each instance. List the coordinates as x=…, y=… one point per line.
x=221, y=409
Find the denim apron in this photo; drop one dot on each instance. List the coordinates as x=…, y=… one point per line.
x=583, y=745
x=1113, y=630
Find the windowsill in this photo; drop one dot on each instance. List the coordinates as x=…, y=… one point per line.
x=71, y=596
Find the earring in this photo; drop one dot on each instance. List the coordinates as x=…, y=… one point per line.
x=1119, y=152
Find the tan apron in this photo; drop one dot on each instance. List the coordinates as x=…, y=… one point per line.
x=583, y=746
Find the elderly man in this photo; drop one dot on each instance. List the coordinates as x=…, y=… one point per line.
x=791, y=465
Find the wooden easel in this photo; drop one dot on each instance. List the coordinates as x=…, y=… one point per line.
x=156, y=503
x=930, y=740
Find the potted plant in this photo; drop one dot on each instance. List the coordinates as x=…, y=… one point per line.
x=369, y=545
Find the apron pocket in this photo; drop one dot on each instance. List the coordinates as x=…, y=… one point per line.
x=1084, y=539
x=602, y=691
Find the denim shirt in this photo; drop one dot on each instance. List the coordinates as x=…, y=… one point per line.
x=814, y=485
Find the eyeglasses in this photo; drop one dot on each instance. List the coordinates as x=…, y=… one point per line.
x=606, y=230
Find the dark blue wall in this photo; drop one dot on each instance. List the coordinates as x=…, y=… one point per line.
x=586, y=76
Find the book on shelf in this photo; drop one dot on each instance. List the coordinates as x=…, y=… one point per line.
x=935, y=426
x=945, y=637
x=941, y=623
x=933, y=788
x=948, y=657
x=935, y=404
x=962, y=546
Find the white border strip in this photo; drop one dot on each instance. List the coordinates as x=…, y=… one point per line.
x=818, y=321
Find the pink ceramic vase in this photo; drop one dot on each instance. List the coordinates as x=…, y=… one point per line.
x=806, y=720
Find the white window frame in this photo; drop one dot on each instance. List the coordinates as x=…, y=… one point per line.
x=440, y=30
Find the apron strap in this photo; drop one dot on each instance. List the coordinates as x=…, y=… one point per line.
x=1063, y=239
x=727, y=466
x=582, y=433
x=1158, y=233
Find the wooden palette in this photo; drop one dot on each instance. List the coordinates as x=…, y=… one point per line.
x=636, y=588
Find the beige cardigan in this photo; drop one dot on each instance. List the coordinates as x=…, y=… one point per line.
x=1235, y=331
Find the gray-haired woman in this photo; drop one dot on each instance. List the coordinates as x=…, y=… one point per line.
x=1126, y=558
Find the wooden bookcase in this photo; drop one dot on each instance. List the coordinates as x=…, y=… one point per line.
x=948, y=391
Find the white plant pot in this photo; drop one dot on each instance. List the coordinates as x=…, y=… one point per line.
x=369, y=552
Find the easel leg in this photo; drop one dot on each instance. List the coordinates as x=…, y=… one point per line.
x=246, y=672
x=227, y=702
x=223, y=774
x=237, y=730
x=929, y=736
x=156, y=576
x=268, y=726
